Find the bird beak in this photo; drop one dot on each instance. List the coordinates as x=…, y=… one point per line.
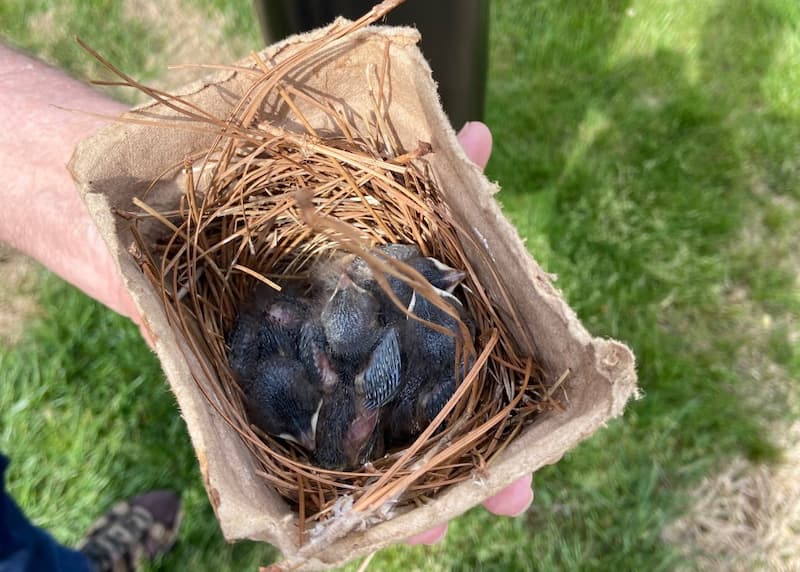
x=453, y=278
x=450, y=275
x=308, y=440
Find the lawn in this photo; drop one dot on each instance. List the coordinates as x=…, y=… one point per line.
x=649, y=152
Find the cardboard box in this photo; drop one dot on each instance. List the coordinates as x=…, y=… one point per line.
x=120, y=162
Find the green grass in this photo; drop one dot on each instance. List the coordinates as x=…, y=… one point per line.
x=88, y=419
x=650, y=154
x=49, y=30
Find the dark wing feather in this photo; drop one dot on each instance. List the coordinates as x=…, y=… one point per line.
x=380, y=380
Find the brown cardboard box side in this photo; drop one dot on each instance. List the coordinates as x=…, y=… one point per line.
x=118, y=163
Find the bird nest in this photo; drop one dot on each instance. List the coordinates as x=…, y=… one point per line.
x=262, y=204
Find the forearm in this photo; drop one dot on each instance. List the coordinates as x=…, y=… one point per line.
x=41, y=212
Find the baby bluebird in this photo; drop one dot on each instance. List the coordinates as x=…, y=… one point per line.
x=282, y=401
x=400, y=421
x=421, y=398
x=434, y=395
x=399, y=251
x=426, y=345
x=350, y=320
x=314, y=354
x=437, y=273
x=266, y=326
x=429, y=372
x=346, y=430
x=245, y=349
x=284, y=313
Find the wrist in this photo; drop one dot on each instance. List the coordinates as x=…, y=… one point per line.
x=42, y=214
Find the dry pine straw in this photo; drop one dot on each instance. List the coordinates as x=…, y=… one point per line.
x=263, y=203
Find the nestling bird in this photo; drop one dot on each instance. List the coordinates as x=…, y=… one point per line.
x=314, y=353
x=426, y=345
x=350, y=320
x=434, y=395
x=399, y=251
x=360, y=271
x=401, y=420
x=422, y=396
x=244, y=354
x=267, y=325
x=282, y=401
x=285, y=315
x=429, y=369
x=347, y=431
x=346, y=370
x=438, y=274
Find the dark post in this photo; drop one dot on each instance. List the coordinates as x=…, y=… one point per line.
x=454, y=40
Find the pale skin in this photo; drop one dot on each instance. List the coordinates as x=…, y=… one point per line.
x=37, y=143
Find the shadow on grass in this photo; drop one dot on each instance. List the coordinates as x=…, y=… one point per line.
x=631, y=176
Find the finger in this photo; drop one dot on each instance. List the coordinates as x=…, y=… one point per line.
x=430, y=536
x=148, y=337
x=512, y=500
x=123, y=304
x=476, y=139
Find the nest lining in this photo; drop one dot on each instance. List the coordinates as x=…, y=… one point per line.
x=263, y=203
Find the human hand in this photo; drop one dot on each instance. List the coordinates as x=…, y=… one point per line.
x=476, y=139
